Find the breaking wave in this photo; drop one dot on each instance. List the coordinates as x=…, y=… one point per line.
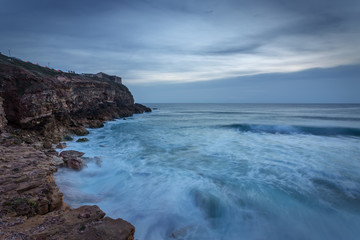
x=288, y=129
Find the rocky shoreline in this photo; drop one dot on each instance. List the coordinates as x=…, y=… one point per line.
x=40, y=107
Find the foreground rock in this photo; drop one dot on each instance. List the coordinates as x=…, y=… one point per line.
x=27, y=187
x=87, y=222
x=31, y=206
x=72, y=159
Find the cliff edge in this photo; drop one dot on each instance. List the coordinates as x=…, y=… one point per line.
x=39, y=107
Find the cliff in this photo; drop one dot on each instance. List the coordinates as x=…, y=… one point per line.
x=53, y=102
x=38, y=108
x=3, y=120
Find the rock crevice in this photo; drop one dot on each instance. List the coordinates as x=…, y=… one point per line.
x=3, y=119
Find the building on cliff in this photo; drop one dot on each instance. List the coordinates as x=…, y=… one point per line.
x=113, y=78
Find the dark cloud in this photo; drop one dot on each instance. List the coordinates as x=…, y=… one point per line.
x=171, y=40
x=228, y=50
x=320, y=86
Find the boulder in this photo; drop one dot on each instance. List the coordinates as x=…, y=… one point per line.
x=75, y=163
x=73, y=159
x=71, y=154
x=57, y=161
x=61, y=145
x=82, y=140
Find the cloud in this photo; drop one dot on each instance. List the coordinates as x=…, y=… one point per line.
x=331, y=85
x=151, y=41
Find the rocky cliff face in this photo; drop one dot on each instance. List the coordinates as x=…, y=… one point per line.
x=31, y=206
x=52, y=102
x=38, y=106
x=3, y=120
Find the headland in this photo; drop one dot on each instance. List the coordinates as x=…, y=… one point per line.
x=40, y=108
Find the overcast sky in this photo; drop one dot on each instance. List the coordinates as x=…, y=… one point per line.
x=177, y=49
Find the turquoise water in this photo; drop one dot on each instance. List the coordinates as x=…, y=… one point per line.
x=226, y=171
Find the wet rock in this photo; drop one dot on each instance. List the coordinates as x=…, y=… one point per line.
x=73, y=159
x=57, y=161
x=82, y=140
x=95, y=124
x=61, y=145
x=71, y=154
x=139, y=108
x=67, y=138
x=75, y=163
x=80, y=131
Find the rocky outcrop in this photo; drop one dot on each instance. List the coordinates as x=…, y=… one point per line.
x=3, y=120
x=39, y=107
x=31, y=206
x=26, y=184
x=53, y=102
x=73, y=159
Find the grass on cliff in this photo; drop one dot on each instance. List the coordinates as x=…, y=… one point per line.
x=45, y=71
x=37, y=69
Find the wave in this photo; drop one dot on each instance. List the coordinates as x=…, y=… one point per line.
x=329, y=118
x=223, y=112
x=288, y=129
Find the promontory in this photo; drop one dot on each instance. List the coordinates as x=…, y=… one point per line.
x=41, y=107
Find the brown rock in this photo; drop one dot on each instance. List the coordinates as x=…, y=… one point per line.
x=61, y=145
x=31, y=206
x=26, y=182
x=139, y=108
x=51, y=102
x=73, y=159
x=86, y=222
x=75, y=163
x=3, y=120
x=47, y=145
x=57, y=161
x=71, y=154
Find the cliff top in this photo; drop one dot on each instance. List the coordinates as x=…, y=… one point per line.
x=41, y=71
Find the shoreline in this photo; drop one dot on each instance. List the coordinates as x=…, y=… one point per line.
x=29, y=214
x=40, y=107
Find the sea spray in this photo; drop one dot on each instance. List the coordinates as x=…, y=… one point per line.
x=207, y=171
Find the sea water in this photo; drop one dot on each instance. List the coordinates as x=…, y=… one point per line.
x=225, y=171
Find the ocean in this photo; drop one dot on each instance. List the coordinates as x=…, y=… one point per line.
x=225, y=171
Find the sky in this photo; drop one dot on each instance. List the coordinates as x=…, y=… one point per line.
x=283, y=51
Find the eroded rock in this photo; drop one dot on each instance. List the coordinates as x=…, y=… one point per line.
x=71, y=154
x=27, y=187
x=3, y=120
x=86, y=222
x=75, y=163
x=61, y=145
x=57, y=161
